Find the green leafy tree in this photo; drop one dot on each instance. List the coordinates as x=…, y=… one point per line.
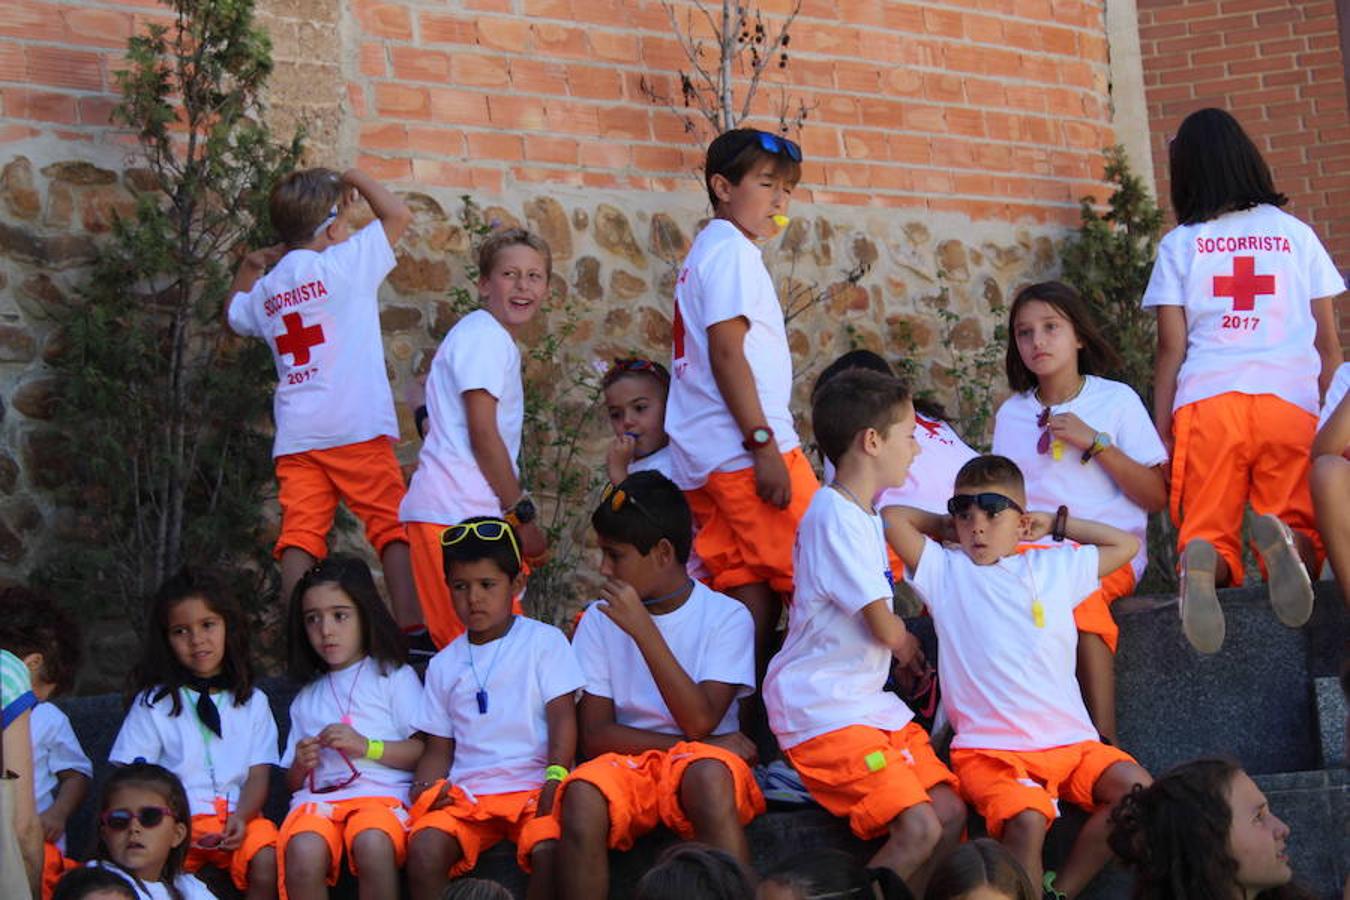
x=169, y=415
x=1109, y=262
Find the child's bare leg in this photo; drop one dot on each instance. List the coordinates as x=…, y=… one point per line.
x=294, y=564
x=1024, y=836
x=543, y=880
x=1097, y=681
x=951, y=814
x=914, y=834
x=262, y=875
x=373, y=854
x=431, y=853
x=1330, y=482
x=396, y=560
x=307, y=867
x=708, y=798
x=585, y=843
x=1090, y=851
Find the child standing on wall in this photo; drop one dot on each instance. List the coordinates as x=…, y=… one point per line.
x=1084, y=440
x=319, y=312
x=1247, y=342
x=734, y=448
x=476, y=410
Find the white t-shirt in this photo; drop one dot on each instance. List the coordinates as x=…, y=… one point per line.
x=831, y=670
x=189, y=887
x=506, y=748
x=55, y=749
x=208, y=766
x=379, y=706
x=928, y=486
x=1340, y=383
x=724, y=278
x=1088, y=489
x=711, y=636
x=320, y=315
x=662, y=461
x=1007, y=683
x=1246, y=281
x=448, y=486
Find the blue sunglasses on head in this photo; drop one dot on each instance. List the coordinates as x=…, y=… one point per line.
x=773, y=143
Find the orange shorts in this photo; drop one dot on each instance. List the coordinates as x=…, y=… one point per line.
x=433, y=591
x=366, y=475
x=743, y=540
x=338, y=824
x=643, y=790
x=1002, y=783
x=868, y=775
x=259, y=834
x=1236, y=449
x=54, y=865
x=483, y=822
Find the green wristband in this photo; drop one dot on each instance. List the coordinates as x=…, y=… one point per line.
x=374, y=749
x=555, y=773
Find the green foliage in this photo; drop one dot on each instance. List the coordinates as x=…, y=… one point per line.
x=1109, y=263
x=169, y=414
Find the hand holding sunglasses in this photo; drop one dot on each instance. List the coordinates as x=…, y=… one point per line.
x=345, y=739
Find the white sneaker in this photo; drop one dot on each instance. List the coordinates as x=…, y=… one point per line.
x=1201, y=616
x=1291, y=591
x=780, y=783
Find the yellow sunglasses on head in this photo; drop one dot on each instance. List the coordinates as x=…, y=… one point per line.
x=486, y=530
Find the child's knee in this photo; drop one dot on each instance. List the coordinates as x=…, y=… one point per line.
x=262, y=868
x=1026, y=828
x=1329, y=474
x=1119, y=780
x=431, y=850
x=707, y=789
x=950, y=810
x=372, y=847
x=918, y=828
x=307, y=857
x=585, y=814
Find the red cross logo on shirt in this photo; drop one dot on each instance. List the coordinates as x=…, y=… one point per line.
x=298, y=338
x=1244, y=285
x=677, y=333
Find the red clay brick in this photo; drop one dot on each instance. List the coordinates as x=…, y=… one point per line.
x=451, y=107
x=510, y=35
x=399, y=101
x=438, y=28
x=412, y=64
x=475, y=70
x=387, y=20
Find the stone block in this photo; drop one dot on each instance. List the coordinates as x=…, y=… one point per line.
x=1331, y=721
x=1251, y=700
x=1316, y=807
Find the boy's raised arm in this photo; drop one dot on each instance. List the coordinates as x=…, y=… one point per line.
x=1114, y=547
x=251, y=268
x=392, y=212
x=905, y=530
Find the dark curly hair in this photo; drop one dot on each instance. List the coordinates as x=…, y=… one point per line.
x=31, y=622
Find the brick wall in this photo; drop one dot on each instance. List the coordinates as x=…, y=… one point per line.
x=1278, y=67
x=944, y=106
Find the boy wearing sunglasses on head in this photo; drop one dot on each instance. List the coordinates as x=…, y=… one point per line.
x=734, y=448
x=855, y=745
x=665, y=666
x=1005, y=624
x=500, y=720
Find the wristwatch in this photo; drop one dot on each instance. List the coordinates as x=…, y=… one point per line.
x=1100, y=441
x=760, y=436
x=522, y=513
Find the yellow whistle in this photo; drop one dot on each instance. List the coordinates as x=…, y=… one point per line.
x=781, y=220
x=1057, y=449
x=1038, y=613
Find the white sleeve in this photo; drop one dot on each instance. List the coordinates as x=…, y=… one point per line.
x=477, y=361
x=364, y=259
x=1075, y=568
x=1166, y=284
x=731, y=654
x=930, y=575
x=293, y=735
x=851, y=583
x=1136, y=435
x=589, y=647
x=64, y=752
x=729, y=279
x=433, y=713
x=138, y=737
x=1001, y=431
x=1324, y=279
x=263, y=737
x=558, y=670
x=240, y=312
x=407, y=702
